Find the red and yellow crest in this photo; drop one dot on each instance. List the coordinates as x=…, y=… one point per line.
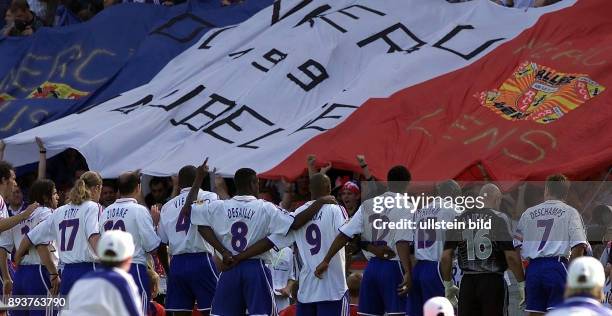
x=539, y=93
x=5, y=97
x=49, y=90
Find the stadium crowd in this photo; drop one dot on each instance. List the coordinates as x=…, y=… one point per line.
x=24, y=17
x=167, y=234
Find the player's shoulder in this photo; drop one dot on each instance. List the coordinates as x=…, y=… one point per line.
x=207, y=195
x=90, y=204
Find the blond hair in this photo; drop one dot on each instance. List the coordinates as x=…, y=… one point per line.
x=81, y=191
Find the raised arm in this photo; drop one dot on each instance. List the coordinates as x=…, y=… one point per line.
x=195, y=188
x=42, y=159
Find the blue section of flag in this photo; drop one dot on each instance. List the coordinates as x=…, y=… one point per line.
x=121, y=48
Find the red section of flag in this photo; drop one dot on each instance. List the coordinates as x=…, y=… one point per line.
x=440, y=130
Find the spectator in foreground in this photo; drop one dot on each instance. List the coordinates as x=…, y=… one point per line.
x=25, y=21
x=438, y=306
x=584, y=290
x=110, y=290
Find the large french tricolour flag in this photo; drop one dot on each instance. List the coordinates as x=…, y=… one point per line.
x=466, y=90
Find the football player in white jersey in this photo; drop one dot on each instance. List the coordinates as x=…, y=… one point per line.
x=193, y=276
x=428, y=247
x=385, y=281
x=282, y=267
x=75, y=229
x=7, y=186
x=327, y=296
x=109, y=290
x=32, y=278
x=230, y=226
x=129, y=216
x=548, y=234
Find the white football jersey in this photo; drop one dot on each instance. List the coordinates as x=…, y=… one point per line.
x=177, y=231
x=104, y=292
x=313, y=240
x=12, y=238
x=281, y=268
x=70, y=226
x=242, y=221
x=129, y=216
x=363, y=222
x=3, y=208
x=428, y=242
x=549, y=229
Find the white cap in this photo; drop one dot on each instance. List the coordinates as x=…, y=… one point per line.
x=585, y=273
x=115, y=246
x=438, y=306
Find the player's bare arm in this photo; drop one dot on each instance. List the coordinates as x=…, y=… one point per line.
x=209, y=235
x=202, y=170
x=305, y=216
x=380, y=251
x=516, y=266
x=45, y=258
x=256, y=249
x=10, y=222
x=403, y=251
x=162, y=254
x=7, y=282
x=578, y=251
x=93, y=241
x=338, y=243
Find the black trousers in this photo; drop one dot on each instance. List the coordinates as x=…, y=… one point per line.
x=484, y=294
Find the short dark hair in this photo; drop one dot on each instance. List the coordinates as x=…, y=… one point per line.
x=158, y=180
x=128, y=183
x=557, y=185
x=398, y=178
x=5, y=170
x=41, y=191
x=19, y=5
x=186, y=176
x=244, y=177
x=111, y=264
x=111, y=183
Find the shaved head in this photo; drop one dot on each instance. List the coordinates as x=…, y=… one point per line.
x=448, y=188
x=491, y=196
x=320, y=185
x=128, y=183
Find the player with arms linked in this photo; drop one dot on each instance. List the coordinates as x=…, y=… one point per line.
x=428, y=247
x=385, y=281
x=230, y=226
x=316, y=297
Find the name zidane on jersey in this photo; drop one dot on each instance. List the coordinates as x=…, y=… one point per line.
x=431, y=224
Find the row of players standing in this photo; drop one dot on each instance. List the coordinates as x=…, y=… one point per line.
x=244, y=228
